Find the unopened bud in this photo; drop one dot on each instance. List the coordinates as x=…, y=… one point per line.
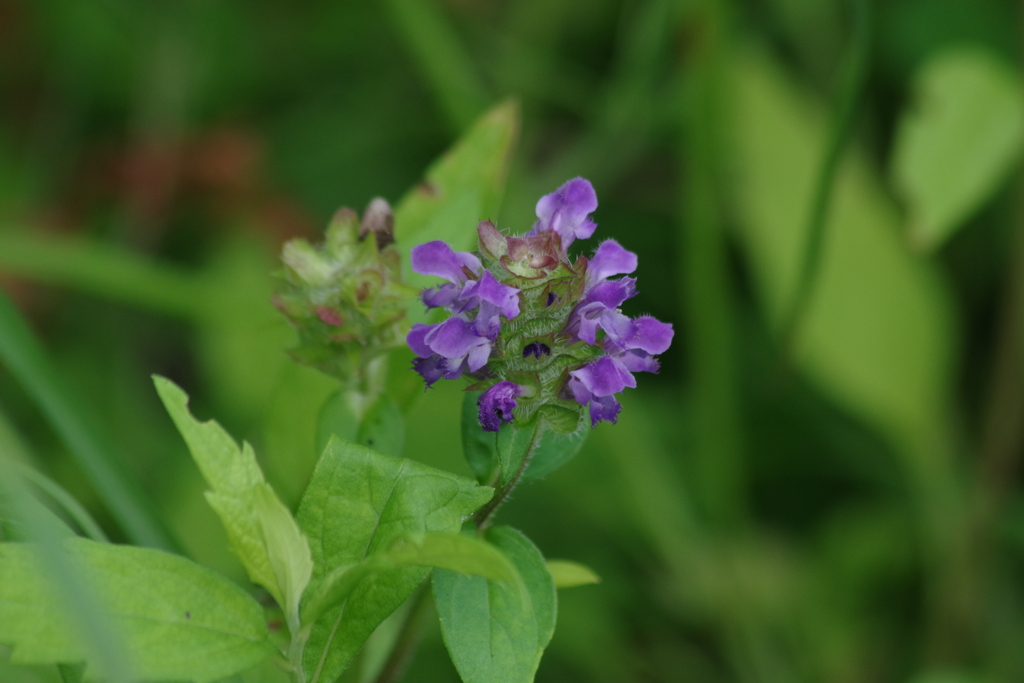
x=378, y=219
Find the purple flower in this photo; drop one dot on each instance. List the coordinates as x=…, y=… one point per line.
x=496, y=405
x=437, y=258
x=567, y=211
x=447, y=349
x=492, y=298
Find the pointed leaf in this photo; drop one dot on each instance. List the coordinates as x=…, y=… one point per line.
x=182, y=622
x=262, y=531
x=568, y=574
x=495, y=633
x=555, y=450
x=959, y=140
x=358, y=504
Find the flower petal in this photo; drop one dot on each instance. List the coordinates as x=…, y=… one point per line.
x=612, y=292
x=440, y=296
x=454, y=339
x=415, y=339
x=488, y=289
x=431, y=368
x=566, y=211
x=609, y=260
x=604, y=376
x=437, y=258
x=650, y=335
x=604, y=408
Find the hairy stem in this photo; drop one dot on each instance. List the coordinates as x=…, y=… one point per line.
x=483, y=516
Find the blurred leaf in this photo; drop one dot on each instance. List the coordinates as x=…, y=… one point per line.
x=461, y=188
x=382, y=428
x=568, y=574
x=25, y=359
x=358, y=504
x=877, y=332
x=449, y=69
x=495, y=632
x=182, y=622
x=263, y=533
x=959, y=140
x=454, y=552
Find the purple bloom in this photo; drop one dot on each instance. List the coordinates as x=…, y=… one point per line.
x=493, y=298
x=437, y=258
x=609, y=260
x=447, y=349
x=567, y=211
x=496, y=405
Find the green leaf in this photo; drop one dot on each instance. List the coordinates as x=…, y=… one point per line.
x=382, y=428
x=26, y=360
x=555, y=450
x=181, y=621
x=262, y=532
x=876, y=336
x=494, y=631
x=455, y=552
x=358, y=504
x=513, y=446
x=478, y=446
x=568, y=574
x=461, y=188
x=958, y=141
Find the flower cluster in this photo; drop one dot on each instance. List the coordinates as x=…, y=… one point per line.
x=541, y=334
x=345, y=296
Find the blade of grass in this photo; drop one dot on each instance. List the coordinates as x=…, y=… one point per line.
x=83, y=608
x=446, y=65
x=100, y=269
x=851, y=91
x=24, y=357
x=708, y=300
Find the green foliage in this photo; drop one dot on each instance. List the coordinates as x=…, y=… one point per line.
x=958, y=141
x=181, y=622
x=453, y=552
x=460, y=189
x=263, y=533
x=497, y=631
x=357, y=505
x=568, y=574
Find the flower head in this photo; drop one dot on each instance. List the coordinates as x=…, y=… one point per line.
x=542, y=335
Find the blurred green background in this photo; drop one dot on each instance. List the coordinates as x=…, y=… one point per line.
x=821, y=491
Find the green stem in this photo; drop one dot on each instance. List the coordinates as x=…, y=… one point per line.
x=851, y=92
x=483, y=516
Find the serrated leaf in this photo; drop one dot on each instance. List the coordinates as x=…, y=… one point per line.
x=358, y=504
x=455, y=552
x=958, y=141
x=262, y=531
x=568, y=574
x=494, y=632
x=461, y=188
x=478, y=446
x=182, y=622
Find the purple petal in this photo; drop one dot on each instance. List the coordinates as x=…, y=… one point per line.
x=441, y=296
x=496, y=405
x=585, y=320
x=610, y=260
x=454, y=339
x=415, y=339
x=604, y=377
x=566, y=211
x=638, y=361
x=579, y=392
x=488, y=289
x=612, y=292
x=437, y=258
x=650, y=335
x=617, y=327
x=431, y=369
x=604, y=408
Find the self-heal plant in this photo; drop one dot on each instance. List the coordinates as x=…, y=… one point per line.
x=539, y=333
